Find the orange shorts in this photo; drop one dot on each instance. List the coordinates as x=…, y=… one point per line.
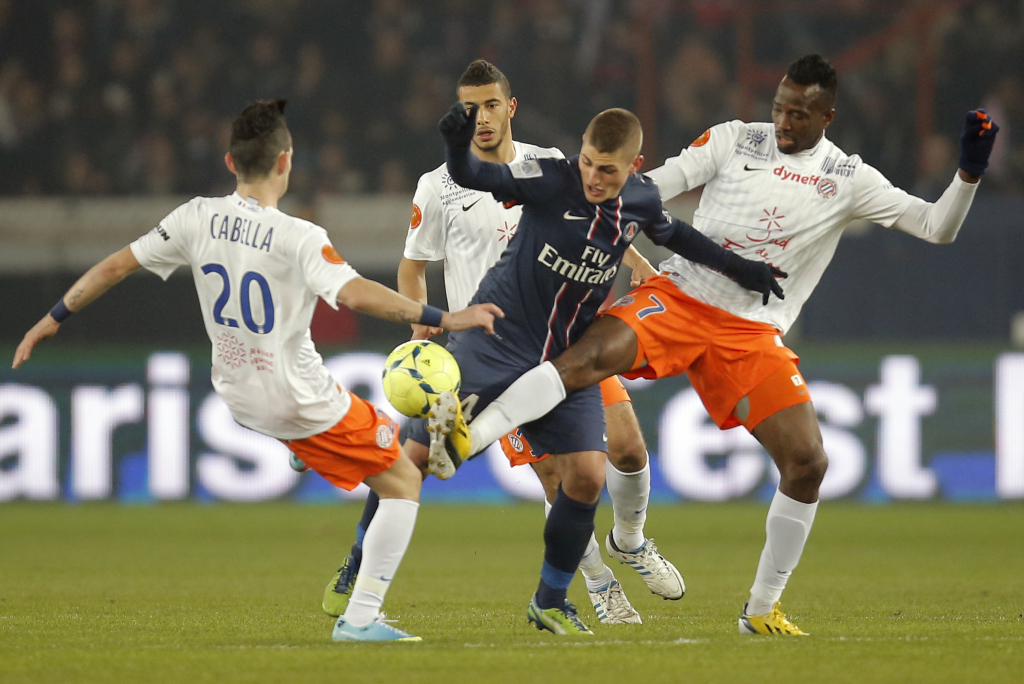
x=727, y=358
x=363, y=443
x=518, y=450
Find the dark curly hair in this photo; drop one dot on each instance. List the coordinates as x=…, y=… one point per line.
x=481, y=73
x=258, y=135
x=815, y=70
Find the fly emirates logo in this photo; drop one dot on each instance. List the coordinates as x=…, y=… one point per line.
x=589, y=269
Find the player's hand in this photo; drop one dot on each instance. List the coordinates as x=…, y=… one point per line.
x=46, y=327
x=756, y=275
x=476, y=316
x=642, y=270
x=976, y=142
x=424, y=332
x=458, y=126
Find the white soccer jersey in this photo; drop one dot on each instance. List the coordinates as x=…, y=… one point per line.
x=789, y=210
x=466, y=228
x=258, y=272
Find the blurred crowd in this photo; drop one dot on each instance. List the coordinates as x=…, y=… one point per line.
x=136, y=96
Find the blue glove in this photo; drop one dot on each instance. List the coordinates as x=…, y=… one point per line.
x=976, y=142
x=458, y=126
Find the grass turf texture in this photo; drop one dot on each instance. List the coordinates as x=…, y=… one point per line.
x=227, y=593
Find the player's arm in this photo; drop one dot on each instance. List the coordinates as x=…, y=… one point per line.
x=375, y=299
x=690, y=243
x=412, y=282
x=939, y=222
x=520, y=182
x=88, y=288
x=642, y=269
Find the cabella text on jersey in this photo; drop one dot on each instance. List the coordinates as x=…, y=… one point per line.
x=240, y=230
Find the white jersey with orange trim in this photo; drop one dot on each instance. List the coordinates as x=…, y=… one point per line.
x=258, y=273
x=468, y=229
x=788, y=210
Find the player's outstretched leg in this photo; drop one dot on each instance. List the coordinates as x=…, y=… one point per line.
x=387, y=538
x=449, y=436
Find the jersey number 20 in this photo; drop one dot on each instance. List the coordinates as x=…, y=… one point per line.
x=247, y=280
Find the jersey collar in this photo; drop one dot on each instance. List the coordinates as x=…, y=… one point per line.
x=249, y=203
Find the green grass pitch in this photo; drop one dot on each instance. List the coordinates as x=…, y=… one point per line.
x=230, y=593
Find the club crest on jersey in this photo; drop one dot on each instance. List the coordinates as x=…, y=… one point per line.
x=631, y=229
x=331, y=255
x=702, y=140
x=827, y=188
x=417, y=217
x=528, y=168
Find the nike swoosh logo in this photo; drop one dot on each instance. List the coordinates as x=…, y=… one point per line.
x=465, y=208
x=385, y=579
x=569, y=217
x=747, y=168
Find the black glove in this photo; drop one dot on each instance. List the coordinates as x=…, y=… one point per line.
x=755, y=275
x=976, y=142
x=458, y=126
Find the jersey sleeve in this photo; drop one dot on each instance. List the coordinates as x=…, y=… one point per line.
x=524, y=182
x=165, y=248
x=427, y=234
x=878, y=200
x=698, y=163
x=325, y=271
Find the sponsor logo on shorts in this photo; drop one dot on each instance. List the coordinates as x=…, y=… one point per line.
x=417, y=217
x=331, y=255
x=797, y=380
x=702, y=140
x=385, y=436
x=515, y=442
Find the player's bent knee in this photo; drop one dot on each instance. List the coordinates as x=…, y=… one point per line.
x=628, y=459
x=805, y=465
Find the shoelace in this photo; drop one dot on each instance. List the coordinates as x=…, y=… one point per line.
x=345, y=578
x=614, y=607
x=570, y=612
x=662, y=565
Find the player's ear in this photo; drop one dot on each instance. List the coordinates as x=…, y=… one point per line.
x=230, y=163
x=512, y=104
x=637, y=163
x=829, y=115
x=281, y=166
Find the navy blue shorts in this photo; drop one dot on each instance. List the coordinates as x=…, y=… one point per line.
x=576, y=424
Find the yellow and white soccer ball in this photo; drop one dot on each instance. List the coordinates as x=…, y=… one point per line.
x=416, y=372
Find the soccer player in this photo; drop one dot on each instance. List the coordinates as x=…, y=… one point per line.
x=579, y=216
x=780, y=192
x=468, y=229
x=258, y=273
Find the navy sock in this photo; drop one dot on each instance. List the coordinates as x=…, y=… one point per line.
x=566, y=534
x=364, y=523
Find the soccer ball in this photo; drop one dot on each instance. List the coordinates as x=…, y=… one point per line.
x=415, y=373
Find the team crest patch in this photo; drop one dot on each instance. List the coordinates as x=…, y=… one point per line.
x=515, y=442
x=417, y=217
x=702, y=140
x=331, y=255
x=631, y=229
x=625, y=301
x=827, y=187
x=385, y=436
x=528, y=168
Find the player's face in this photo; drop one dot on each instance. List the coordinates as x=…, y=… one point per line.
x=800, y=114
x=494, y=115
x=604, y=173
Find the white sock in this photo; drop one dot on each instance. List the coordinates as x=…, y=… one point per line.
x=531, y=396
x=385, y=543
x=595, y=572
x=787, y=527
x=630, y=493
